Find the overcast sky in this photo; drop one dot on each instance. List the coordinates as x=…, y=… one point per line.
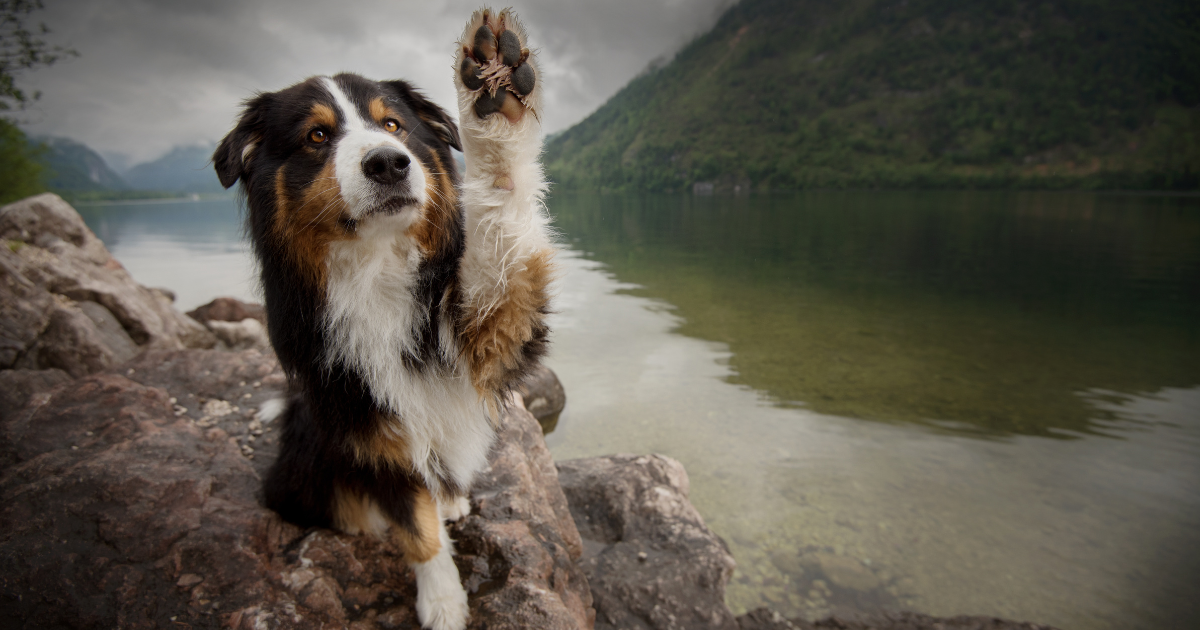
x=154, y=74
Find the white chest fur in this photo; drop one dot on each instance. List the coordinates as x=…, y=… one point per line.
x=371, y=318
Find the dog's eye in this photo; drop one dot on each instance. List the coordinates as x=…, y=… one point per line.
x=317, y=136
x=391, y=126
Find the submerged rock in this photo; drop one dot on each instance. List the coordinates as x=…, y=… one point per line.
x=766, y=619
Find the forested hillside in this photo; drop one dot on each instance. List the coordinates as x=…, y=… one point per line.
x=785, y=94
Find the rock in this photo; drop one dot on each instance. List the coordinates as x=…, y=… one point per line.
x=650, y=559
x=68, y=304
x=17, y=386
x=248, y=333
x=24, y=308
x=520, y=537
x=846, y=572
x=126, y=501
x=227, y=309
x=765, y=619
x=111, y=333
x=544, y=396
x=78, y=344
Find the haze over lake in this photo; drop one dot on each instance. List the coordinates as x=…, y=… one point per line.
x=956, y=403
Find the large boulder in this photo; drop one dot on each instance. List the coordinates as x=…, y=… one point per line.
x=130, y=499
x=649, y=557
x=66, y=303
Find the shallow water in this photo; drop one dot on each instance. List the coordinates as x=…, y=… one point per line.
x=952, y=403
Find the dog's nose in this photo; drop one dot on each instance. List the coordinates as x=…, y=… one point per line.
x=385, y=165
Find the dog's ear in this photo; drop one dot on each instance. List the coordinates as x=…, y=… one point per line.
x=430, y=114
x=233, y=154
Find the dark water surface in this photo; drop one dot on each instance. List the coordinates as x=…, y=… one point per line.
x=957, y=403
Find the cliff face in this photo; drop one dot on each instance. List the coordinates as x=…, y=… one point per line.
x=924, y=93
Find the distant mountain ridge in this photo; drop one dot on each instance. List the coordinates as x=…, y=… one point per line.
x=182, y=169
x=917, y=93
x=72, y=168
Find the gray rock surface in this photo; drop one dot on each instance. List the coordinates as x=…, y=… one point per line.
x=649, y=558
x=68, y=304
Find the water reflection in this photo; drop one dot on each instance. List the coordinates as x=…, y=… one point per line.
x=828, y=514
x=194, y=248
x=967, y=311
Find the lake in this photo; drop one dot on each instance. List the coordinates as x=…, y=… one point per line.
x=956, y=403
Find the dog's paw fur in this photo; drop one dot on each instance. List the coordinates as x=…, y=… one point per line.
x=496, y=71
x=455, y=509
x=441, y=599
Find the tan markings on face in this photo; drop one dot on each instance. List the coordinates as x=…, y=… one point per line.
x=432, y=230
x=381, y=112
x=321, y=115
x=421, y=542
x=492, y=344
x=309, y=221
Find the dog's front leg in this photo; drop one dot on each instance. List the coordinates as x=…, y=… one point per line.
x=508, y=260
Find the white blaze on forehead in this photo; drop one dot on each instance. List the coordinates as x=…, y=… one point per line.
x=350, y=116
x=358, y=137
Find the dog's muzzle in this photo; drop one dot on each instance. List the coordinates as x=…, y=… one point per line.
x=386, y=165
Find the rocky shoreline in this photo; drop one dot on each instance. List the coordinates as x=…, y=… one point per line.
x=131, y=459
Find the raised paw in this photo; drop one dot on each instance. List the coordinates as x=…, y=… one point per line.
x=496, y=67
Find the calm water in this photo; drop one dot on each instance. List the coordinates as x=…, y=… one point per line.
x=953, y=403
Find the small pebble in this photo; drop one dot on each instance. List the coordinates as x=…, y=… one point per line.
x=129, y=371
x=642, y=555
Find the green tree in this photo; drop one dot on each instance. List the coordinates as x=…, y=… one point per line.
x=21, y=49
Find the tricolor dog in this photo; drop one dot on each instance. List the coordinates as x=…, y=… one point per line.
x=404, y=301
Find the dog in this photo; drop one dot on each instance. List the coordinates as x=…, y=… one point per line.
x=405, y=302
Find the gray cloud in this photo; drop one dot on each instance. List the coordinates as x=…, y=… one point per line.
x=157, y=74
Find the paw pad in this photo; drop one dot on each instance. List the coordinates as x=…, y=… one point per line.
x=496, y=67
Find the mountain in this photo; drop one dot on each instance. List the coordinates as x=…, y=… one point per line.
x=182, y=169
x=909, y=93
x=73, y=167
